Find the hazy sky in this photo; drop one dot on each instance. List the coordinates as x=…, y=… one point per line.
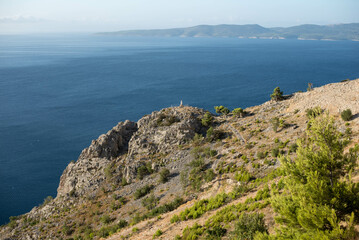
x=17, y=16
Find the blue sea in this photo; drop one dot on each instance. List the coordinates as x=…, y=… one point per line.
x=58, y=92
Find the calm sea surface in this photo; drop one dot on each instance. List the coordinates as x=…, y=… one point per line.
x=58, y=92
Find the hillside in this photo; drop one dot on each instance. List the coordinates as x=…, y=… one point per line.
x=173, y=175
x=307, y=31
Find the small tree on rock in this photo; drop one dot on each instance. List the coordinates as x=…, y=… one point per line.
x=239, y=112
x=277, y=94
x=207, y=119
x=222, y=110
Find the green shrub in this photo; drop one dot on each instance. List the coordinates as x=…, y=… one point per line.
x=166, y=120
x=277, y=94
x=261, y=155
x=109, y=170
x=144, y=170
x=141, y=192
x=216, y=232
x=167, y=207
x=243, y=176
x=275, y=123
x=263, y=194
x=157, y=233
x=275, y=152
x=239, y=112
x=209, y=175
x=207, y=119
x=197, y=139
x=47, y=200
x=293, y=147
x=192, y=233
x=248, y=225
x=105, y=219
x=213, y=135
x=221, y=109
x=164, y=175
x=175, y=219
x=150, y=202
x=346, y=115
x=314, y=112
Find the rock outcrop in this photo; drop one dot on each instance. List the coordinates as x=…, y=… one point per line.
x=84, y=175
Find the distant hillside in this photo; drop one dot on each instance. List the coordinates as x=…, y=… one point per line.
x=308, y=31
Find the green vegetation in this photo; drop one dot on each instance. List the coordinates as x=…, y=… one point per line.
x=144, y=170
x=275, y=152
x=243, y=176
x=319, y=201
x=248, y=225
x=197, y=172
x=314, y=112
x=275, y=123
x=164, y=175
x=202, y=206
x=239, y=112
x=346, y=115
x=150, y=202
x=166, y=120
x=213, y=135
x=105, y=219
x=277, y=94
x=47, y=200
x=207, y=119
x=141, y=192
x=222, y=110
x=157, y=233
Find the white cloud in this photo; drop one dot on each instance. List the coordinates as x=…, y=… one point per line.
x=22, y=19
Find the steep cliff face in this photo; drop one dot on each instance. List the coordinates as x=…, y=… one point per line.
x=85, y=174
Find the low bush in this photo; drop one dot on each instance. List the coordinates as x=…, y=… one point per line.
x=275, y=123
x=157, y=233
x=221, y=109
x=150, y=202
x=166, y=120
x=105, y=219
x=314, y=112
x=239, y=112
x=144, y=170
x=141, y=192
x=243, y=176
x=164, y=175
x=207, y=119
x=346, y=115
x=275, y=152
x=213, y=135
x=248, y=225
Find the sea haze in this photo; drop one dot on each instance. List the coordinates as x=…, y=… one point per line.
x=58, y=92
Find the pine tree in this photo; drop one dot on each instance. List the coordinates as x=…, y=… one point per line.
x=319, y=195
x=277, y=94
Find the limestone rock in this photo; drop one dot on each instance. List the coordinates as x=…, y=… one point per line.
x=86, y=174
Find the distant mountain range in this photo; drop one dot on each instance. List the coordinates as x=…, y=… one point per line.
x=308, y=31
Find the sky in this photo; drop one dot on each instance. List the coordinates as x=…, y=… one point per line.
x=37, y=16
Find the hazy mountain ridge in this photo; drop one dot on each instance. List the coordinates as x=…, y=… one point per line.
x=307, y=31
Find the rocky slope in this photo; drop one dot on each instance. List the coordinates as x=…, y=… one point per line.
x=134, y=179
